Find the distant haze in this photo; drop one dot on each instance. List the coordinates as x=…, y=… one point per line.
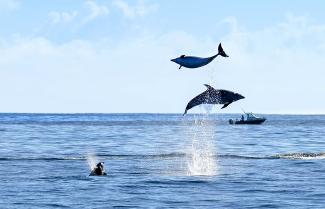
x=114, y=56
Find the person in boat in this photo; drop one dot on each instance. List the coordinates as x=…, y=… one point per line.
x=98, y=170
x=242, y=118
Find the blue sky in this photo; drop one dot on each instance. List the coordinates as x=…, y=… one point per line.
x=113, y=56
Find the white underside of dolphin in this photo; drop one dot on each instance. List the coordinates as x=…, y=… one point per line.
x=195, y=62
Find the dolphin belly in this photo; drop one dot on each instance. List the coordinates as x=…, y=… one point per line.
x=194, y=62
x=205, y=98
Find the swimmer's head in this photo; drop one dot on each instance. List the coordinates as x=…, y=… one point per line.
x=100, y=165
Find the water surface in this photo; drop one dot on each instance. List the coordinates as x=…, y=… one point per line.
x=161, y=160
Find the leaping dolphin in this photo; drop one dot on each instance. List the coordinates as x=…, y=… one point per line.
x=214, y=96
x=195, y=62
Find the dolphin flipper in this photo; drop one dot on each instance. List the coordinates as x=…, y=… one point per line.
x=226, y=105
x=221, y=52
x=180, y=67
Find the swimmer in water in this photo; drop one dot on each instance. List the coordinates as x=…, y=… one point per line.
x=99, y=170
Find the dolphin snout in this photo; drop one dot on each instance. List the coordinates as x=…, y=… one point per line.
x=238, y=96
x=173, y=60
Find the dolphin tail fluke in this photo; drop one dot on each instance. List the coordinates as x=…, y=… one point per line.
x=221, y=52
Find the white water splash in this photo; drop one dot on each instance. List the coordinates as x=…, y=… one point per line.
x=201, y=157
x=91, y=160
x=207, y=108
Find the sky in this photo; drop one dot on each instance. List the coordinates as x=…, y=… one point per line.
x=113, y=56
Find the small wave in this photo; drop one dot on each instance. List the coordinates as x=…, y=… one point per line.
x=121, y=156
x=302, y=156
x=40, y=158
x=179, y=182
x=296, y=156
x=242, y=157
x=109, y=156
x=144, y=156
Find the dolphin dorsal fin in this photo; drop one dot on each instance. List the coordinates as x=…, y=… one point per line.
x=182, y=56
x=209, y=87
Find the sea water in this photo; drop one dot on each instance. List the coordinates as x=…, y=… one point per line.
x=161, y=160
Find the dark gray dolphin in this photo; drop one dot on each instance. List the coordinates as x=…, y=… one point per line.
x=214, y=96
x=194, y=62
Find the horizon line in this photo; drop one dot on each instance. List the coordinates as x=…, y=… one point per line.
x=157, y=113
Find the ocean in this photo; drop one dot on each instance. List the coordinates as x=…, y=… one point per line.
x=161, y=161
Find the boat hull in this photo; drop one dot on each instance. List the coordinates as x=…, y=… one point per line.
x=248, y=122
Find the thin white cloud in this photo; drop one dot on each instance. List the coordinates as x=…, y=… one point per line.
x=95, y=10
x=62, y=17
x=10, y=5
x=91, y=11
x=142, y=8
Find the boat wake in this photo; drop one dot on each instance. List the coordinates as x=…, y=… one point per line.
x=302, y=156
